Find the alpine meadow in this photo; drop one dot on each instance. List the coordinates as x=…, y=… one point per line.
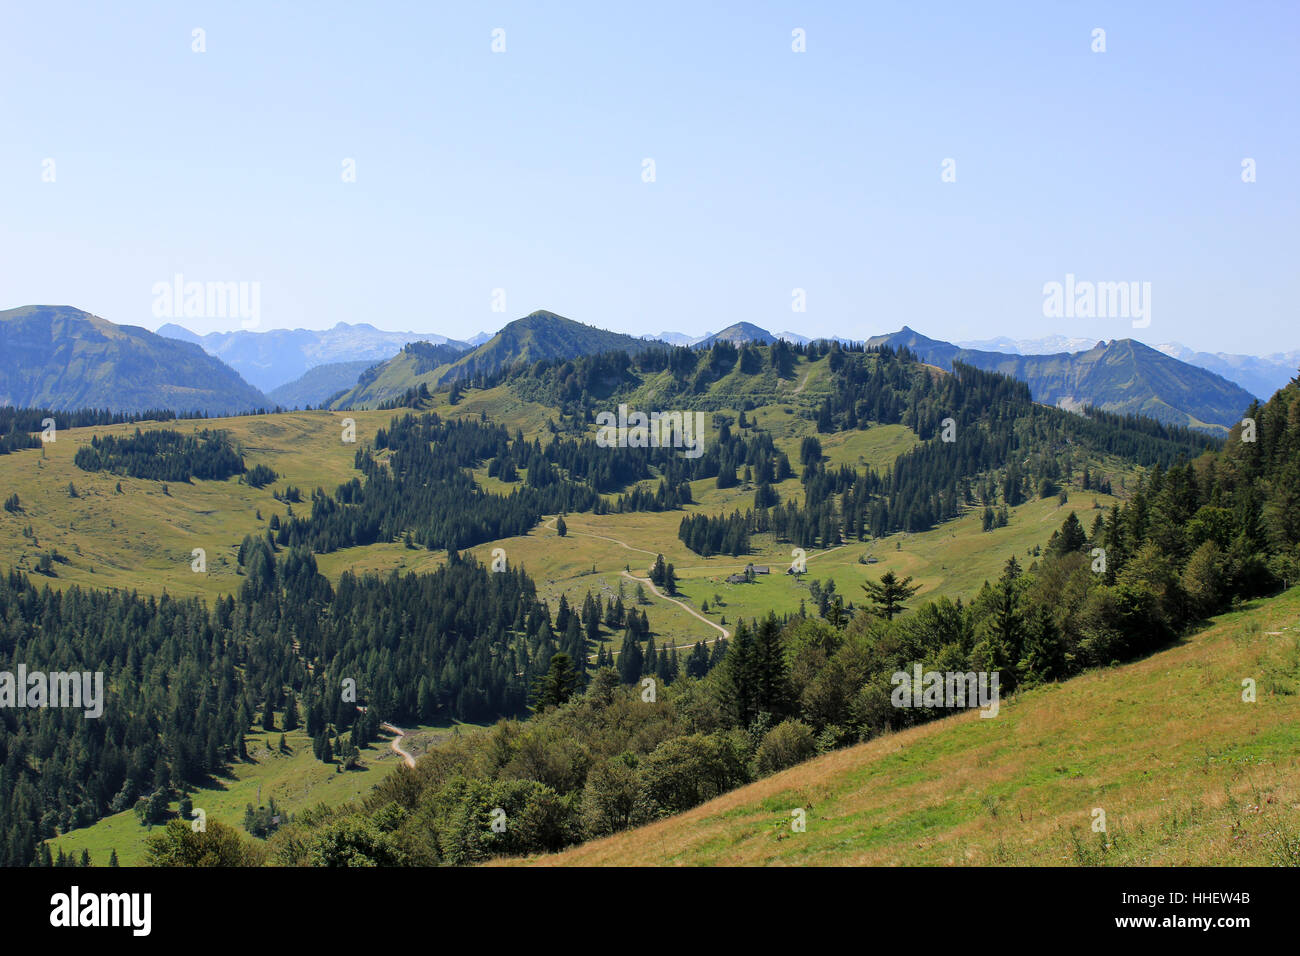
x=661, y=536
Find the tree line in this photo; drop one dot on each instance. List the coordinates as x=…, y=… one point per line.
x=165, y=455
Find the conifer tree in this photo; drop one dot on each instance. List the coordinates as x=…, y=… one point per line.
x=1070, y=538
x=291, y=712
x=889, y=594
x=629, y=659
x=658, y=572
x=556, y=686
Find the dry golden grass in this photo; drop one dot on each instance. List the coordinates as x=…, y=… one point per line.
x=143, y=538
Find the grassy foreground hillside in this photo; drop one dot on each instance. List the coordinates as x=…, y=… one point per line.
x=1186, y=772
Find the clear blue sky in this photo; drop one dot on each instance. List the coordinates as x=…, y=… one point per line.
x=775, y=170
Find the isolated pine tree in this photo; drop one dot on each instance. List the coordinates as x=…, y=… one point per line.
x=658, y=571
x=1069, y=538
x=888, y=595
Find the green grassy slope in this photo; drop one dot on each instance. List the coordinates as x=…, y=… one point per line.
x=953, y=560
x=1186, y=772
x=295, y=780
x=143, y=538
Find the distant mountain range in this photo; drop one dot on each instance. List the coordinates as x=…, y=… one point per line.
x=55, y=356
x=1122, y=376
x=677, y=338
x=62, y=357
x=1262, y=376
x=1047, y=345
x=279, y=356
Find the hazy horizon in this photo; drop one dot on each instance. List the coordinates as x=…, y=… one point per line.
x=964, y=342
x=795, y=154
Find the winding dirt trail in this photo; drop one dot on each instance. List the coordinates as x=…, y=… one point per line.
x=396, y=743
x=550, y=526
x=685, y=607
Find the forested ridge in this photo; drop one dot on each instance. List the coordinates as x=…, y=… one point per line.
x=1001, y=447
x=418, y=482
x=984, y=443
